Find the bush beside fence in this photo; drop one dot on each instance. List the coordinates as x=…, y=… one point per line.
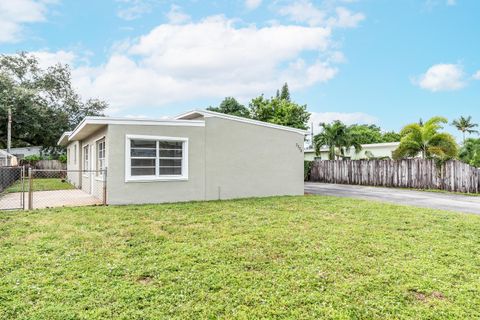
x=452, y=175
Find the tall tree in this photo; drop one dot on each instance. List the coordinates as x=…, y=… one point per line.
x=43, y=102
x=230, y=105
x=285, y=93
x=366, y=134
x=465, y=125
x=427, y=140
x=279, y=111
x=391, y=136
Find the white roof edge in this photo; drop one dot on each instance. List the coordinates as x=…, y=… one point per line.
x=64, y=135
x=130, y=121
x=207, y=113
x=369, y=145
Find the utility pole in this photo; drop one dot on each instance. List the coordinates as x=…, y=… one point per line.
x=9, y=134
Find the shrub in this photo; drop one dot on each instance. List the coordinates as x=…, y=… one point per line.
x=307, y=167
x=33, y=158
x=62, y=158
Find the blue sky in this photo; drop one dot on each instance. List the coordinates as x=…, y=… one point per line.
x=373, y=61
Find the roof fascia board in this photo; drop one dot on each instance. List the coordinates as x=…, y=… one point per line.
x=123, y=121
x=207, y=113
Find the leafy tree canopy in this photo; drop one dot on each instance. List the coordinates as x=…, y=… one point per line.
x=391, y=136
x=230, y=105
x=470, y=152
x=366, y=134
x=43, y=102
x=279, y=109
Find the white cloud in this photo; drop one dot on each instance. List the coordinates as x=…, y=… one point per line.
x=133, y=9
x=451, y=2
x=252, y=4
x=15, y=13
x=346, y=19
x=476, y=76
x=47, y=59
x=303, y=11
x=211, y=58
x=177, y=16
x=442, y=77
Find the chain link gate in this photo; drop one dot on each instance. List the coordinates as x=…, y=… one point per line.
x=48, y=188
x=12, y=188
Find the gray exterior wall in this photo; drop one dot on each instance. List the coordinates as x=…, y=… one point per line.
x=121, y=192
x=247, y=160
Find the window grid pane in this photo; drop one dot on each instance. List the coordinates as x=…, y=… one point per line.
x=156, y=158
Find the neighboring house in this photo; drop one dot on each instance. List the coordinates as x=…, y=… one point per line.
x=23, y=152
x=7, y=159
x=375, y=150
x=199, y=155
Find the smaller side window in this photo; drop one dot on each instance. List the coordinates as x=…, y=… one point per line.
x=68, y=155
x=86, y=158
x=101, y=165
x=75, y=154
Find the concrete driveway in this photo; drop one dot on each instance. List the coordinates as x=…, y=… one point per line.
x=434, y=200
x=50, y=199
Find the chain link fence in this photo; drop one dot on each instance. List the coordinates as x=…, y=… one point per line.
x=12, y=188
x=22, y=188
x=66, y=188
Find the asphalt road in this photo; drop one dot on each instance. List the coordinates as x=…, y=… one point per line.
x=434, y=200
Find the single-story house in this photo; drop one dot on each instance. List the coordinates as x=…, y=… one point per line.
x=198, y=155
x=375, y=150
x=22, y=152
x=7, y=159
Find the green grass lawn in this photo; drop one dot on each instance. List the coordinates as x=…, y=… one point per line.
x=305, y=257
x=41, y=184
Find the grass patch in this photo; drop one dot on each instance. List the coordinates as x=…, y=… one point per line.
x=306, y=257
x=41, y=184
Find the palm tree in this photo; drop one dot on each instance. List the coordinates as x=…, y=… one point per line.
x=337, y=138
x=425, y=139
x=465, y=125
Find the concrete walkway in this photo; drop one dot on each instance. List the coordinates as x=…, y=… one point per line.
x=50, y=199
x=434, y=200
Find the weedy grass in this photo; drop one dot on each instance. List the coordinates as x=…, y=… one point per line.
x=305, y=257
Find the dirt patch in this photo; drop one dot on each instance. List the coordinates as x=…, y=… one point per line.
x=424, y=297
x=437, y=295
x=144, y=280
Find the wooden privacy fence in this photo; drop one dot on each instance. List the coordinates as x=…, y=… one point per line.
x=412, y=173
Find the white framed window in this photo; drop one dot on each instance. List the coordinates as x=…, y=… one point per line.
x=86, y=159
x=101, y=164
x=156, y=158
